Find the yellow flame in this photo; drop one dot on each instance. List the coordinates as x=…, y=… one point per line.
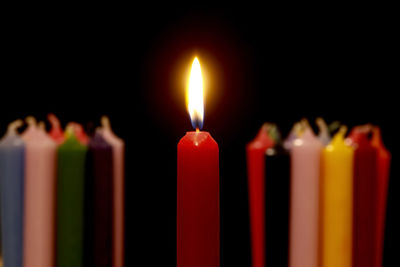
x=195, y=95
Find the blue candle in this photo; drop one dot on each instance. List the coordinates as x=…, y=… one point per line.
x=12, y=151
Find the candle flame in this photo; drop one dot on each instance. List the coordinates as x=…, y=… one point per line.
x=195, y=95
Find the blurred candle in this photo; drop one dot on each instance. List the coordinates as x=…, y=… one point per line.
x=99, y=203
x=305, y=175
x=70, y=201
x=383, y=167
x=40, y=178
x=197, y=187
x=277, y=179
x=12, y=161
x=56, y=131
x=256, y=183
x=118, y=148
x=337, y=202
x=364, y=200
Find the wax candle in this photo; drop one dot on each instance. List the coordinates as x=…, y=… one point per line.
x=197, y=187
x=383, y=167
x=337, y=203
x=40, y=178
x=255, y=177
x=118, y=148
x=277, y=178
x=99, y=203
x=364, y=200
x=70, y=201
x=12, y=161
x=56, y=131
x=305, y=173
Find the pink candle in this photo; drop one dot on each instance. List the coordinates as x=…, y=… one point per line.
x=40, y=178
x=118, y=148
x=305, y=174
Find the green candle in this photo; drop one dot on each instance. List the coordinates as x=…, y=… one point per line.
x=70, y=202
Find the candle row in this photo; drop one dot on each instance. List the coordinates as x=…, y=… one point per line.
x=62, y=196
x=316, y=200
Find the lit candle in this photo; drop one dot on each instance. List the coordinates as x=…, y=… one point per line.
x=70, y=201
x=364, y=199
x=40, y=183
x=256, y=175
x=118, y=148
x=337, y=202
x=305, y=175
x=12, y=154
x=197, y=187
x=383, y=168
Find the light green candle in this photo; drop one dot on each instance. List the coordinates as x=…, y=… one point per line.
x=70, y=202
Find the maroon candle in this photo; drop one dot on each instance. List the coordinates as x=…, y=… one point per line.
x=365, y=201
x=98, y=204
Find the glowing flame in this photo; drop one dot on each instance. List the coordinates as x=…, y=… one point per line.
x=195, y=95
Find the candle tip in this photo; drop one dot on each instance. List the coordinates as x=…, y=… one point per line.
x=30, y=120
x=13, y=126
x=54, y=121
x=105, y=122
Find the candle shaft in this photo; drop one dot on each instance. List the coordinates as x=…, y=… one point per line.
x=365, y=201
x=198, y=201
x=12, y=168
x=118, y=148
x=40, y=184
x=337, y=203
x=255, y=153
x=305, y=173
x=98, y=204
x=70, y=203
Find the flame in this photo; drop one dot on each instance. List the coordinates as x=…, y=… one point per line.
x=195, y=96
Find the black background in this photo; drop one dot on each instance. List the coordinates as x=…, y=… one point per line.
x=259, y=65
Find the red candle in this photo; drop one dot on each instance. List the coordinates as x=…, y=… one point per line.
x=383, y=167
x=197, y=187
x=255, y=172
x=365, y=201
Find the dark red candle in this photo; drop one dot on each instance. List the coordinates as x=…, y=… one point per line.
x=383, y=167
x=365, y=201
x=98, y=203
x=197, y=187
x=255, y=151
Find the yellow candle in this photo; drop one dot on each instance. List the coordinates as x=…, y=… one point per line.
x=336, y=203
